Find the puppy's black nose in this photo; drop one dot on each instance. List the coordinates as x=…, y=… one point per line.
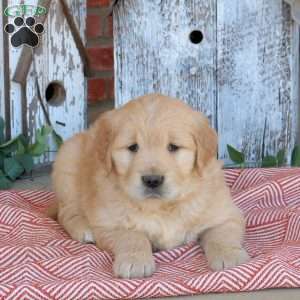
x=153, y=181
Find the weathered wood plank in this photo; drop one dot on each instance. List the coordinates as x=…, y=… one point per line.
x=58, y=60
x=244, y=75
x=2, y=75
x=24, y=63
x=258, y=71
x=15, y=88
x=153, y=52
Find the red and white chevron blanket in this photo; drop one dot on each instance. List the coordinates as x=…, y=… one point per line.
x=38, y=260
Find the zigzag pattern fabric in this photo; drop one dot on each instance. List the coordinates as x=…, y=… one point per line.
x=38, y=260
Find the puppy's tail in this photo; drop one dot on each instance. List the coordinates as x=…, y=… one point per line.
x=52, y=211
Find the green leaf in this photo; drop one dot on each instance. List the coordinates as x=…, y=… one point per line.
x=41, y=144
x=2, y=134
x=5, y=183
x=13, y=168
x=2, y=157
x=23, y=143
x=46, y=130
x=21, y=147
x=2, y=146
x=37, y=149
x=235, y=155
x=57, y=138
x=26, y=161
x=10, y=146
x=269, y=161
x=40, y=138
x=295, y=162
x=24, y=140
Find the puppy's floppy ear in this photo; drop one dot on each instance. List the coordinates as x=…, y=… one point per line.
x=206, y=141
x=102, y=137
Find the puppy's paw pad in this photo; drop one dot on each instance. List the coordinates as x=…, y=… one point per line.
x=134, y=265
x=228, y=258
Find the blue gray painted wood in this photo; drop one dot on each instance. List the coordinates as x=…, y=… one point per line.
x=243, y=75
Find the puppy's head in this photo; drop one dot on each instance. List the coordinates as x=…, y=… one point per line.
x=154, y=147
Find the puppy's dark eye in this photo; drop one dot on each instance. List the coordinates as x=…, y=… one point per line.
x=173, y=148
x=133, y=148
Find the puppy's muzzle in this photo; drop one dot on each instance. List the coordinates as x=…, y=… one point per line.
x=153, y=181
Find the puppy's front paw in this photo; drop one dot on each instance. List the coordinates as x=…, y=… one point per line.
x=134, y=265
x=82, y=234
x=226, y=257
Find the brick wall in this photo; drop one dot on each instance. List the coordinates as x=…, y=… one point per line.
x=100, y=50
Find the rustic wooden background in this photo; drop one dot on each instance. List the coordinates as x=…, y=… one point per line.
x=244, y=74
x=3, y=78
x=57, y=59
x=2, y=96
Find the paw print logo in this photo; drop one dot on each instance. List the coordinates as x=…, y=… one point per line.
x=24, y=32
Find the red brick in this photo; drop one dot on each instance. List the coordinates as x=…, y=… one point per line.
x=93, y=26
x=96, y=89
x=109, y=26
x=98, y=3
x=111, y=88
x=101, y=58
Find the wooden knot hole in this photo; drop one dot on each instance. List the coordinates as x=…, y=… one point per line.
x=55, y=93
x=196, y=36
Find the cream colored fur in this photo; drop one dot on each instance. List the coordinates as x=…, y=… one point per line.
x=101, y=198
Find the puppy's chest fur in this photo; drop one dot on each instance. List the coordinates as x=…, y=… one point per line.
x=166, y=229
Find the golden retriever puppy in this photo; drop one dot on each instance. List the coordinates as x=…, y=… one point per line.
x=146, y=177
